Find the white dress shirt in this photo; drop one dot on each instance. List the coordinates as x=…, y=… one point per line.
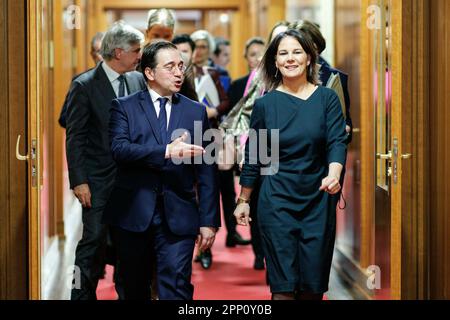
x=113, y=78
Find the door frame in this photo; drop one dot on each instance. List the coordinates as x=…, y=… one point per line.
x=34, y=9
x=409, y=207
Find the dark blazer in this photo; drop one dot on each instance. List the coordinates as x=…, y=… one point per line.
x=325, y=73
x=87, y=143
x=237, y=89
x=144, y=173
x=62, y=120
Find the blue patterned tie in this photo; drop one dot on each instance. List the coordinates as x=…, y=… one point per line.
x=163, y=119
x=121, y=78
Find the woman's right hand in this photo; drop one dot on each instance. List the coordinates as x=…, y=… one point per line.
x=242, y=214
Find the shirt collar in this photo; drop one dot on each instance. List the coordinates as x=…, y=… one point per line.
x=110, y=73
x=155, y=96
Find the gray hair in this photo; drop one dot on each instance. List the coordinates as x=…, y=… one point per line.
x=120, y=35
x=162, y=16
x=204, y=35
x=97, y=37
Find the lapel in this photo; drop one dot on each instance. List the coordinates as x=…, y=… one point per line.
x=103, y=84
x=147, y=106
x=175, y=114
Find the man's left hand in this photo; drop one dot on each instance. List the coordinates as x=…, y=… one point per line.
x=206, y=238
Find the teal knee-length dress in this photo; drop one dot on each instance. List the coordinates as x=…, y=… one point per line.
x=297, y=221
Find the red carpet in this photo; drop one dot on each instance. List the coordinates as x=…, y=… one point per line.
x=231, y=276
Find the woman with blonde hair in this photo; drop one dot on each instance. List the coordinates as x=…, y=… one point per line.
x=160, y=24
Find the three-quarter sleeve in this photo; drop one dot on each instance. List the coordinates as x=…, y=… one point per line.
x=251, y=168
x=336, y=135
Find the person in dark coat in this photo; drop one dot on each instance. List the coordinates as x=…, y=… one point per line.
x=299, y=186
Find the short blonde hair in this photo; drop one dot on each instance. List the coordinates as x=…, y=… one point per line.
x=162, y=16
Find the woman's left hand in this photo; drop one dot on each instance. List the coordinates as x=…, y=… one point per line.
x=330, y=184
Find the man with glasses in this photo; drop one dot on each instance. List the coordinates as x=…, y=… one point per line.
x=91, y=167
x=162, y=200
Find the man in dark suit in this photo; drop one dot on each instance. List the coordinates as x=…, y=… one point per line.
x=91, y=167
x=154, y=206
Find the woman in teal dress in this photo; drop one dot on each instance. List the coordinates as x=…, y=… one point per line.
x=297, y=200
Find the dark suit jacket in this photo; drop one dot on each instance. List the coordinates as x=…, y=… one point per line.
x=87, y=143
x=236, y=90
x=143, y=172
x=325, y=73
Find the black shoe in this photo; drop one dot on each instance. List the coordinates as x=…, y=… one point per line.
x=259, y=263
x=236, y=239
x=206, y=259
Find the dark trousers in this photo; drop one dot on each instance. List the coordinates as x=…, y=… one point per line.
x=90, y=255
x=136, y=251
x=228, y=195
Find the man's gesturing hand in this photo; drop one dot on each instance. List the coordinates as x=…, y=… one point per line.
x=178, y=149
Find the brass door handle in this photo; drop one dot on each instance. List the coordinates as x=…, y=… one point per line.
x=387, y=156
x=406, y=156
x=18, y=155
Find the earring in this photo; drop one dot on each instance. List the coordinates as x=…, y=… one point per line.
x=276, y=73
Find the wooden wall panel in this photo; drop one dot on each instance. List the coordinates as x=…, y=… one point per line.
x=13, y=173
x=439, y=149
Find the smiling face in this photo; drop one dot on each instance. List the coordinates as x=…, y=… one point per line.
x=167, y=77
x=291, y=60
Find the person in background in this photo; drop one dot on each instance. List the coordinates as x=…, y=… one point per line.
x=186, y=46
x=92, y=169
x=254, y=50
x=96, y=44
x=298, y=196
x=220, y=60
x=222, y=54
x=160, y=24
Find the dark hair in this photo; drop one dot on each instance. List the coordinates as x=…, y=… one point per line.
x=313, y=30
x=148, y=59
x=251, y=41
x=184, y=38
x=271, y=76
x=220, y=42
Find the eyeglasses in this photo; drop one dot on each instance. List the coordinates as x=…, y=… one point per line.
x=173, y=67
